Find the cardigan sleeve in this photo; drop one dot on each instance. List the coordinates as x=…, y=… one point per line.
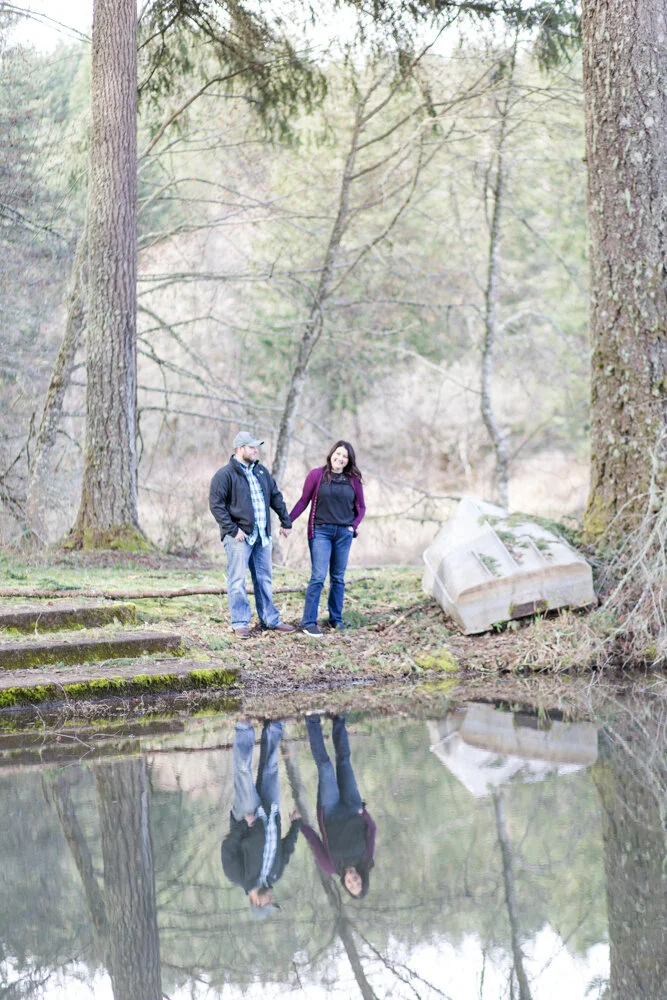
x=306, y=496
x=317, y=847
x=360, y=504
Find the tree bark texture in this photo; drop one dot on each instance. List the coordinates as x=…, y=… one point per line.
x=625, y=87
x=129, y=880
x=635, y=857
x=109, y=490
x=38, y=499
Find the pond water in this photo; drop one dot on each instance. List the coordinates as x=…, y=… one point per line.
x=514, y=856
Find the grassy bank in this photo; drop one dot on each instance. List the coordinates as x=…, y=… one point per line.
x=395, y=631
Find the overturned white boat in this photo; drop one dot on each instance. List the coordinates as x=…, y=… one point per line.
x=484, y=748
x=486, y=566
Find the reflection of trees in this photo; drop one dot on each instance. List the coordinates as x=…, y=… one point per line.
x=631, y=779
x=124, y=913
x=344, y=927
x=510, y=894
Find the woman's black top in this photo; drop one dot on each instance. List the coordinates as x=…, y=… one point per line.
x=335, y=501
x=347, y=839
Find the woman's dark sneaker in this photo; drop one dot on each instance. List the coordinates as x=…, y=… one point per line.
x=312, y=630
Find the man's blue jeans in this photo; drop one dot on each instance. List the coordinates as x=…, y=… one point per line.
x=337, y=793
x=249, y=794
x=329, y=550
x=240, y=558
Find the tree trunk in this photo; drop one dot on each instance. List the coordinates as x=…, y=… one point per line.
x=510, y=895
x=495, y=431
x=635, y=845
x=625, y=88
x=108, y=510
x=80, y=851
x=501, y=468
x=129, y=880
x=313, y=327
x=37, y=500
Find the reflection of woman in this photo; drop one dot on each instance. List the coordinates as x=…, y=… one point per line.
x=337, y=506
x=347, y=842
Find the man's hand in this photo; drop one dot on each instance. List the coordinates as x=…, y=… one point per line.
x=294, y=815
x=240, y=536
x=285, y=532
x=250, y=818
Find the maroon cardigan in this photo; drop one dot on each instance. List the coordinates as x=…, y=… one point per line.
x=311, y=488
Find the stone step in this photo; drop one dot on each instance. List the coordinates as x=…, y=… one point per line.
x=50, y=616
x=80, y=648
x=88, y=681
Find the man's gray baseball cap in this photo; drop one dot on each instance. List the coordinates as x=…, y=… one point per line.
x=246, y=438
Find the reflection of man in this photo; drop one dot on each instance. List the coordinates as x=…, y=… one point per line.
x=241, y=498
x=253, y=855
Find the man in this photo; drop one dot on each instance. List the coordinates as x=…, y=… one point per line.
x=242, y=495
x=253, y=855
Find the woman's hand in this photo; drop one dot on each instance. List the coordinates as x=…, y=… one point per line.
x=295, y=814
x=351, y=529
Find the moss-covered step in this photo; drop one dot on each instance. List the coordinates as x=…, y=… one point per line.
x=87, y=682
x=50, y=616
x=82, y=648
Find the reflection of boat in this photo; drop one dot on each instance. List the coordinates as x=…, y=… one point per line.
x=485, y=566
x=484, y=747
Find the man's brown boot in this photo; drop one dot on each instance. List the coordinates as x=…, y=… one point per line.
x=242, y=632
x=283, y=627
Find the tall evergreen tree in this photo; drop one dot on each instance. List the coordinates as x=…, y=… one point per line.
x=625, y=84
x=108, y=509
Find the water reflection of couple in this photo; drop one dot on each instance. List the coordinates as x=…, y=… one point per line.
x=253, y=854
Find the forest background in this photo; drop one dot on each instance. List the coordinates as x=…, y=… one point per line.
x=235, y=223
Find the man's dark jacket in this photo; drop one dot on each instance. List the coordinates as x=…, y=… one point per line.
x=243, y=850
x=231, y=503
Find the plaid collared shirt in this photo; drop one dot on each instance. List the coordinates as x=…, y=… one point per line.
x=270, y=844
x=258, y=505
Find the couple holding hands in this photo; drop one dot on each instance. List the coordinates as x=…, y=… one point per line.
x=241, y=497
x=255, y=854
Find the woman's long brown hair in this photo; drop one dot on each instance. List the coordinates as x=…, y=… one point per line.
x=351, y=469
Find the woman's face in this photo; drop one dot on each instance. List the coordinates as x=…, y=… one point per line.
x=339, y=459
x=352, y=880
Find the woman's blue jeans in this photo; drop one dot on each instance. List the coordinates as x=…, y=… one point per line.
x=337, y=793
x=329, y=550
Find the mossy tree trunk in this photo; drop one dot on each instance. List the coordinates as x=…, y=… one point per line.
x=133, y=943
x=625, y=85
x=108, y=510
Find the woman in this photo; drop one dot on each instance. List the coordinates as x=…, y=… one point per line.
x=337, y=506
x=347, y=842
